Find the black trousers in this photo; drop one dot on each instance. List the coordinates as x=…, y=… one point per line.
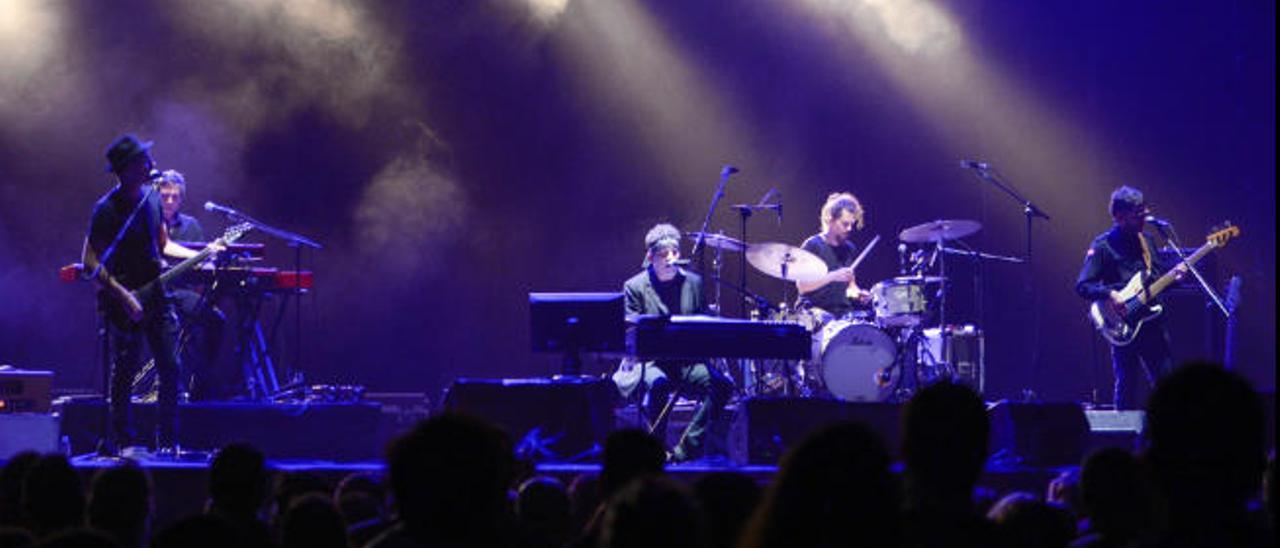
x=708, y=430
x=1148, y=356
x=159, y=327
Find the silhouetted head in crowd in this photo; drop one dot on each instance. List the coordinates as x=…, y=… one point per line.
x=629, y=453
x=200, y=531
x=1204, y=435
x=1026, y=521
x=1269, y=487
x=312, y=521
x=238, y=480
x=542, y=510
x=728, y=499
x=16, y=537
x=52, y=496
x=584, y=498
x=360, y=497
x=11, y=477
x=944, y=444
x=289, y=486
x=120, y=503
x=1114, y=495
x=653, y=511
x=78, y=537
x=834, y=486
x=1064, y=491
x=449, y=479
x=1205, y=444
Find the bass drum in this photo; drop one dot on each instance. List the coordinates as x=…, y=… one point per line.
x=857, y=361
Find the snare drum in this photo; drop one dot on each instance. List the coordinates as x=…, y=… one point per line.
x=857, y=361
x=898, y=302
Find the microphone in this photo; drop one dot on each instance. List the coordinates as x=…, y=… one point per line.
x=210, y=206
x=728, y=170
x=1157, y=221
x=974, y=164
x=902, y=258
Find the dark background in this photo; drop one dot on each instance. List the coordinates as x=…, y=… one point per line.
x=453, y=156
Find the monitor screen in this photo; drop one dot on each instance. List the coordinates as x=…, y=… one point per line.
x=592, y=322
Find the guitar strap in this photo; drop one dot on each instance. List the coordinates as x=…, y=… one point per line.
x=1146, y=260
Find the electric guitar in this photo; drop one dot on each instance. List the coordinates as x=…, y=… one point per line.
x=113, y=305
x=1120, y=327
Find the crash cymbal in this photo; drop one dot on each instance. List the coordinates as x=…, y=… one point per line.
x=921, y=279
x=933, y=231
x=719, y=241
x=785, y=262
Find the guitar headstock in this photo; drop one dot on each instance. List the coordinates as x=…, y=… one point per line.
x=234, y=232
x=1223, y=233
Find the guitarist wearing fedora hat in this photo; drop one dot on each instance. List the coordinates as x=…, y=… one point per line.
x=1113, y=258
x=122, y=253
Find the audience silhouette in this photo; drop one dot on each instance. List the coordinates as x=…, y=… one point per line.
x=833, y=489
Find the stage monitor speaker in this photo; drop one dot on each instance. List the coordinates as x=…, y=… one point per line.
x=1038, y=434
x=549, y=420
x=766, y=427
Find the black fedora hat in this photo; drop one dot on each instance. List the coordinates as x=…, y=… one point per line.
x=123, y=149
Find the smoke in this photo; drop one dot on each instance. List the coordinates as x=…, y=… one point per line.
x=410, y=210
x=274, y=57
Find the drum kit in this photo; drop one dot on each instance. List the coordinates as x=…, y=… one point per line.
x=884, y=354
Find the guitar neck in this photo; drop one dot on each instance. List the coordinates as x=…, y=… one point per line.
x=184, y=266
x=1168, y=278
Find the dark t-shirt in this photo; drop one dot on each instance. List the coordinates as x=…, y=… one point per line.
x=1113, y=258
x=186, y=229
x=669, y=291
x=831, y=297
x=136, y=259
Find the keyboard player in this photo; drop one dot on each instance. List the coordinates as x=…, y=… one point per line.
x=663, y=288
x=202, y=323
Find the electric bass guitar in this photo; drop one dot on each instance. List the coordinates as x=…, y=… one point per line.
x=1120, y=325
x=113, y=305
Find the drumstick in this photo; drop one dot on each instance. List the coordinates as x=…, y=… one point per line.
x=864, y=253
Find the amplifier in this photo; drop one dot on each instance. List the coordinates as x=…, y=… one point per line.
x=23, y=391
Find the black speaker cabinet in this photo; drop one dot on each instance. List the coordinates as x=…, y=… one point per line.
x=549, y=420
x=1038, y=434
x=766, y=427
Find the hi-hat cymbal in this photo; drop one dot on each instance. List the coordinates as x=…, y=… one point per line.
x=785, y=262
x=719, y=241
x=933, y=231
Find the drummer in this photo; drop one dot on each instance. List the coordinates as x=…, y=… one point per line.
x=836, y=294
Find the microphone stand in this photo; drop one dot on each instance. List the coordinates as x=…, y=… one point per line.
x=297, y=242
x=725, y=172
x=1171, y=240
x=1031, y=212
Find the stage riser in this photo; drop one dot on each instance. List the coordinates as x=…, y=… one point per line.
x=337, y=432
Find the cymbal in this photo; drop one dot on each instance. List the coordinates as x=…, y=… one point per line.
x=933, y=231
x=719, y=241
x=922, y=279
x=771, y=257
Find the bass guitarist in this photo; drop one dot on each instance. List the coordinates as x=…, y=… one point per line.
x=1113, y=258
x=121, y=254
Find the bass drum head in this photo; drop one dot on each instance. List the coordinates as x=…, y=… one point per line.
x=857, y=360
